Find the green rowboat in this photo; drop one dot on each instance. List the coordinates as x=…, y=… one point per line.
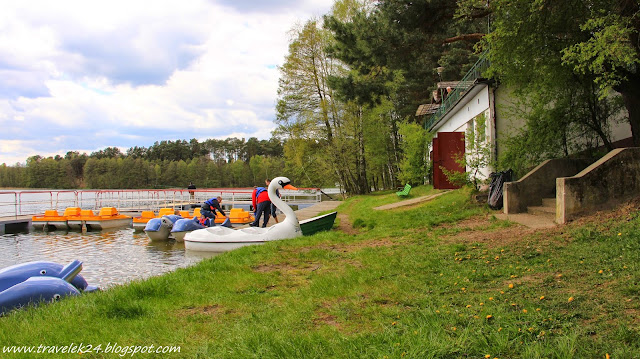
x=318, y=224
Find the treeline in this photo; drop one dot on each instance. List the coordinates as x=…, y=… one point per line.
x=213, y=163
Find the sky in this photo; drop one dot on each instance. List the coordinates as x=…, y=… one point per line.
x=83, y=75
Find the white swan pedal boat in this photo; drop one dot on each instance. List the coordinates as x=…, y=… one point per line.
x=222, y=239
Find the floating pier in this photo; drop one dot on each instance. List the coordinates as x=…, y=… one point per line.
x=15, y=224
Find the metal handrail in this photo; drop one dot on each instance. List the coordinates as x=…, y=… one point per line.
x=460, y=89
x=32, y=202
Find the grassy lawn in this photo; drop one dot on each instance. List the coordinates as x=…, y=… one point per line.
x=443, y=279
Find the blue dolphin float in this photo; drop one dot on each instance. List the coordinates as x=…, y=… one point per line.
x=35, y=282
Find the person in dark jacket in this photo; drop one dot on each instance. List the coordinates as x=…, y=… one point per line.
x=262, y=205
x=210, y=206
x=274, y=209
x=192, y=189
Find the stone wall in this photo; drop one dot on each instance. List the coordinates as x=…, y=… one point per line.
x=606, y=182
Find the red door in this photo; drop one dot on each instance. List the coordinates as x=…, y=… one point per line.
x=447, y=147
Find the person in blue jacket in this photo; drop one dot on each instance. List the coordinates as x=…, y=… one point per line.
x=210, y=206
x=261, y=204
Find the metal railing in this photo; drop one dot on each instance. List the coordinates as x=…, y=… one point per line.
x=461, y=88
x=32, y=202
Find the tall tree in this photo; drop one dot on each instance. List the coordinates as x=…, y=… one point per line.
x=535, y=49
x=610, y=51
x=306, y=105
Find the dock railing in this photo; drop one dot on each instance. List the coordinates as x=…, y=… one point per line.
x=32, y=202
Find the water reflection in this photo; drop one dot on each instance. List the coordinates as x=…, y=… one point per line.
x=109, y=257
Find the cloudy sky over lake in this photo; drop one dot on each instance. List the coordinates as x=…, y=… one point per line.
x=78, y=75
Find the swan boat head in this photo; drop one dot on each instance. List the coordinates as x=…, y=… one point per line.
x=216, y=238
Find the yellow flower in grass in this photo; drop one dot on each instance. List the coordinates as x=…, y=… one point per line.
x=524, y=311
x=489, y=316
x=510, y=285
x=488, y=356
x=570, y=299
x=468, y=305
x=542, y=297
x=600, y=271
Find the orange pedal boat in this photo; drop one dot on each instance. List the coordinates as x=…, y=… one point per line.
x=51, y=220
x=108, y=217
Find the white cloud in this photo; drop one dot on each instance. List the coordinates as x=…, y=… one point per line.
x=78, y=74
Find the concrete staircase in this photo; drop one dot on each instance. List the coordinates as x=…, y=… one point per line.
x=536, y=217
x=548, y=208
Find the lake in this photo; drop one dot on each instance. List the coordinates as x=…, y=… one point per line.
x=109, y=257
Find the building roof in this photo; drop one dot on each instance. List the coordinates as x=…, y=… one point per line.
x=427, y=109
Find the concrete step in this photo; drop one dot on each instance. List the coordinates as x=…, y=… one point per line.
x=529, y=220
x=542, y=210
x=549, y=202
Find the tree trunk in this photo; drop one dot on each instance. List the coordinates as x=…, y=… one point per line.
x=630, y=91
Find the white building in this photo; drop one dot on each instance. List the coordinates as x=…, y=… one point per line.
x=475, y=108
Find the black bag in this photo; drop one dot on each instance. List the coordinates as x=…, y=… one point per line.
x=495, y=188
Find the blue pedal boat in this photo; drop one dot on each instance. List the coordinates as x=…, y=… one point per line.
x=183, y=226
x=159, y=229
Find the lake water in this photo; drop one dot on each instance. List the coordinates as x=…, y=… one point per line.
x=109, y=257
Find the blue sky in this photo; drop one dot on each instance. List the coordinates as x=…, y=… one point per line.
x=78, y=75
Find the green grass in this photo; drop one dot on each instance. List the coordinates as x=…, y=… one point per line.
x=419, y=282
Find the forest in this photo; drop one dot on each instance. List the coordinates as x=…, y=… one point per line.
x=167, y=164
x=352, y=80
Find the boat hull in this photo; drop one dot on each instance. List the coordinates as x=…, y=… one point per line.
x=184, y=226
x=107, y=223
x=51, y=221
x=226, y=239
x=159, y=229
x=139, y=226
x=218, y=246
x=317, y=224
x=50, y=225
x=159, y=235
x=108, y=217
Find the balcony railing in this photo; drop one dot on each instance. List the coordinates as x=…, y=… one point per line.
x=461, y=88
